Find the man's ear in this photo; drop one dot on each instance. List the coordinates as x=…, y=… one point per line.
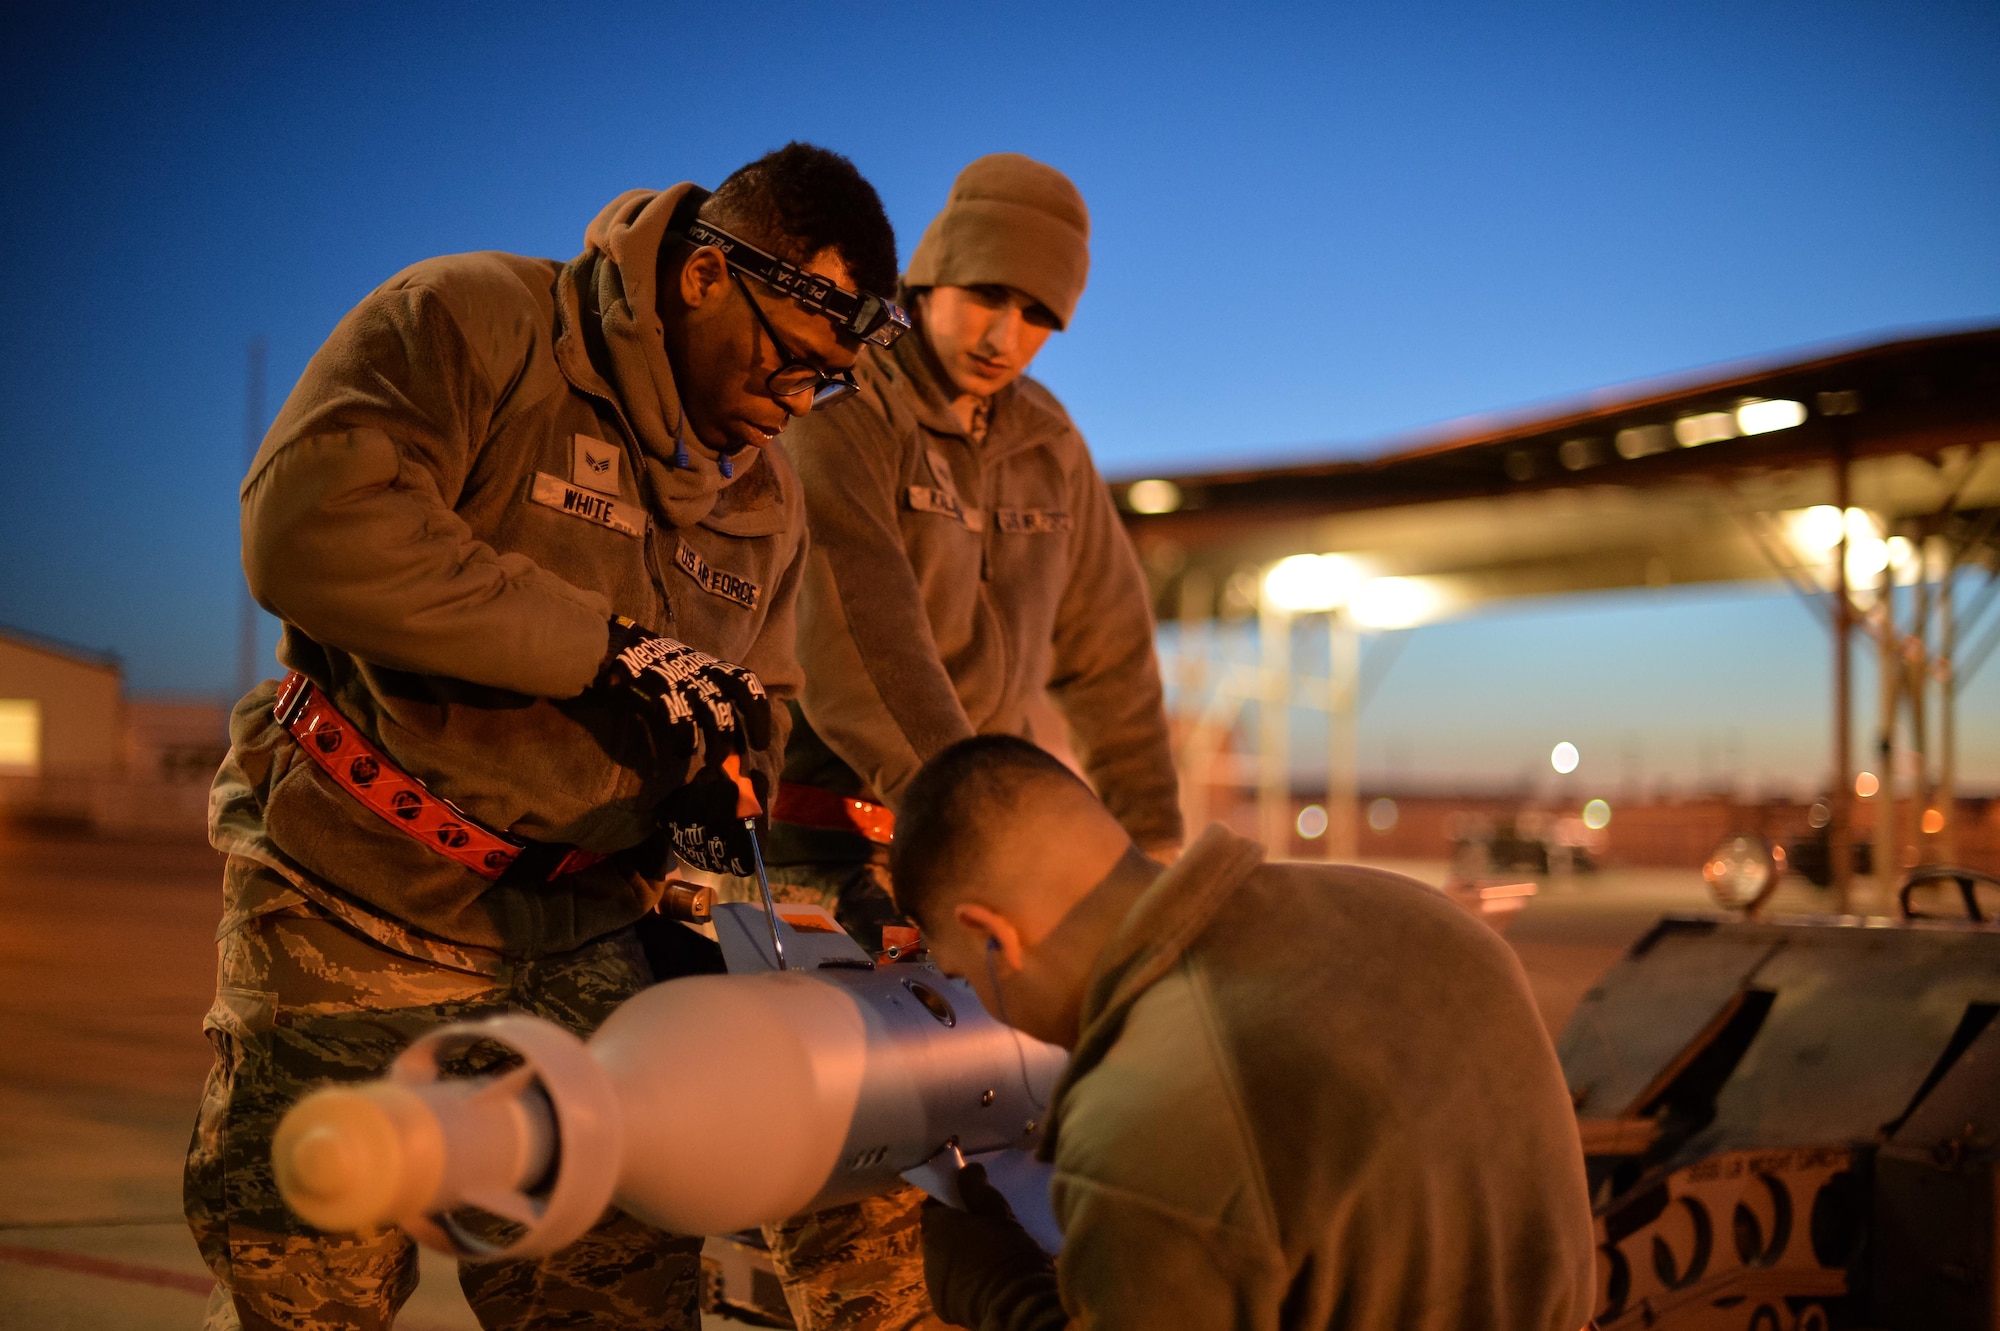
x=703, y=277
x=990, y=930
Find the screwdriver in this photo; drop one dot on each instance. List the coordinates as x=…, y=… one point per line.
x=747, y=808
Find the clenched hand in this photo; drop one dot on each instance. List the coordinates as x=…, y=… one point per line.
x=692, y=704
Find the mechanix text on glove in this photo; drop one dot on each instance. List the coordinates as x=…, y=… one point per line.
x=691, y=703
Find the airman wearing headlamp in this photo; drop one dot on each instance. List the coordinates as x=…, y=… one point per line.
x=537, y=566
x=967, y=565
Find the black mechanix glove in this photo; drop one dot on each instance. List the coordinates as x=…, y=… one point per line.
x=703, y=820
x=689, y=701
x=982, y=1268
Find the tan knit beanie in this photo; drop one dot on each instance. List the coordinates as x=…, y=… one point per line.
x=1010, y=221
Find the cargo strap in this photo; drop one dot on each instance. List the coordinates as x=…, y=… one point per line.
x=824, y=811
x=405, y=803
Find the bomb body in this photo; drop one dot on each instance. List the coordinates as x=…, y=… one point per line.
x=703, y=1105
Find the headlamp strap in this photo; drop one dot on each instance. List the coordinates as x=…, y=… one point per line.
x=858, y=314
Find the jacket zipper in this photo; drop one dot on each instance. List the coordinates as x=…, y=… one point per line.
x=635, y=457
x=628, y=782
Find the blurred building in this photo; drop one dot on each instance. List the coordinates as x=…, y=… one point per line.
x=1487, y=833
x=76, y=753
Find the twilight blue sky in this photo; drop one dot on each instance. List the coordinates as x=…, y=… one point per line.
x=1316, y=228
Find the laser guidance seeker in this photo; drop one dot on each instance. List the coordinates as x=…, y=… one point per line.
x=806, y=1076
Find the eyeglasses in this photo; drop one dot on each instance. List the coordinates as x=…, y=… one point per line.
x=794, y=375
x=858, y=314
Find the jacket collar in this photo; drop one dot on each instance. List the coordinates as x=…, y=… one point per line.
x=1019, y=421
x=1166, y=920
x=610, y=344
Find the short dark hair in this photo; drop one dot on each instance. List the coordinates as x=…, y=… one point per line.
x=802, y=199
x=955, y=807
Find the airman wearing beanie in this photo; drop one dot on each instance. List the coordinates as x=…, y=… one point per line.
x=1013, y=222
x=964, y=554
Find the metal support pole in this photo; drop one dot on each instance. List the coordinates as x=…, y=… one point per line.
x=1274, y=724
x=1840, y=798
x=1343, y=678
x=1947, y=678
x=1889, y=662
x=1916, y=663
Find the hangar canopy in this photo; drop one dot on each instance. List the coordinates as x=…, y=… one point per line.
x=1643, y=486
x=1868, y=477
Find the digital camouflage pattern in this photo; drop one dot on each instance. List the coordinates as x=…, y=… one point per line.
x=858, y=1267
x=302, y=1001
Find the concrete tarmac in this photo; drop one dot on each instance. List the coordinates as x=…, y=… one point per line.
x=107, y=963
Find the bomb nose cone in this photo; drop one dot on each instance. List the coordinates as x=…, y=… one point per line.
x=348, y=1159
x=325, y=1164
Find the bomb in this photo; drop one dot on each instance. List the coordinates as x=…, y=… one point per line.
x=704, y=1105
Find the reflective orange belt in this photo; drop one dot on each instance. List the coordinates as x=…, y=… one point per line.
x=822, y=810
x=396, y=797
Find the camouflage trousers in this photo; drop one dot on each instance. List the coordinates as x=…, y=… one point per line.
x=858, y=1267
x=303, y=1001
x=858, y=894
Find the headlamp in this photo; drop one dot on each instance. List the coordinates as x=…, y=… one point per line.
x=859, y=314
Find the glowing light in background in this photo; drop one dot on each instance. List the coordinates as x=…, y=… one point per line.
x=1312, y=822
x=1817, y=529
x=20, y=735
x=1866, y=785
x=1597, y=815
x=1394, y=603
x=1933, y=821
x=1564, y=757
x=1815, y=533
x=1708, y=428
x=1866, y=559
x=1640, y=441
x=1765, y=416
x=1153, y=497
x=1382, y=814
x=1304, y=583
x=1576, y=454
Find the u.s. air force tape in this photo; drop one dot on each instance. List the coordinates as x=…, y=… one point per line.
x=1031, y=521
x=556, y=493
x=715, y=581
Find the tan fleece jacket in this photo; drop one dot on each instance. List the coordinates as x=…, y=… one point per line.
x=471, y=476
x=950, y=583
x=1312, y=1096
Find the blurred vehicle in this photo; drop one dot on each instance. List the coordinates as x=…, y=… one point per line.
x=1532, y=841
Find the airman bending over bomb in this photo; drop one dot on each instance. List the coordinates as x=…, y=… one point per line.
x=965, y=559
x=537, y=566
x=1299, y=1096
